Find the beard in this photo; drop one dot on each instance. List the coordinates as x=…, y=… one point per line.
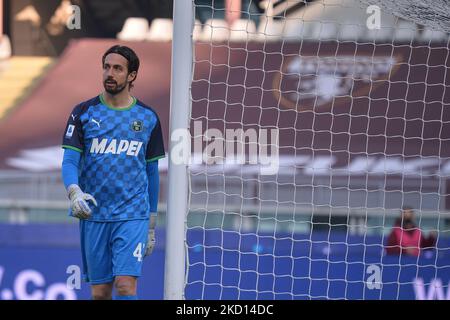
x=408, y=224
x=112, y=87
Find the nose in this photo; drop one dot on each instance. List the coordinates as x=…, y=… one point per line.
x=108, y=73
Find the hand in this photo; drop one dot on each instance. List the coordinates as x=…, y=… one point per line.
x=79, y=202
x=150, y=242
x=410, y=251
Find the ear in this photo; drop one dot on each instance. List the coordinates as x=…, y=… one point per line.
x=132, y=76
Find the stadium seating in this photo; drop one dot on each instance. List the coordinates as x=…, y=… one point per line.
x=160, y=30
x=351, y=32
x=269, y=30
x=379, y=35
x=242, y=30
x=429, y=34
x=295, y=30
x=134, y=29
x=138, y=29
x=328, y=31
x=405, y=31
x=215, y=30
x=311, y=30
x=18, y=78
x=5, y=47
x=197, y=32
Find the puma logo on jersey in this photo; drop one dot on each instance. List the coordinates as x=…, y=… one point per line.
x=96, y=122
x=131, y=148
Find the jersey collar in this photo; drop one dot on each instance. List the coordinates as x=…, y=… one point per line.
x=117, y=109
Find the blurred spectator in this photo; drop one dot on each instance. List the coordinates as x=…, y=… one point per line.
x=406, y=238
x=230, y=10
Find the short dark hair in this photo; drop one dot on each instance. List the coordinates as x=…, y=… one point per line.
x=407, y=208
x=127, y=53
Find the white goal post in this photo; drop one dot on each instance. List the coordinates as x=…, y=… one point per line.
x=177, y=200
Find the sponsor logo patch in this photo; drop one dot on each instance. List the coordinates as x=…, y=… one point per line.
x=70, y=130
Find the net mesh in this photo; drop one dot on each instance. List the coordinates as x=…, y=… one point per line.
x=434, y=14
x=311, y=129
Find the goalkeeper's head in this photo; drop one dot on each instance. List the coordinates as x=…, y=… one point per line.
x=120, y=68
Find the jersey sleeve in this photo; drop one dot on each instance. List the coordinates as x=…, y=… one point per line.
x=155, y=146
x=73, y=134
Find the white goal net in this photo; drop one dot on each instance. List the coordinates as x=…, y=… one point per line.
x=313, y=124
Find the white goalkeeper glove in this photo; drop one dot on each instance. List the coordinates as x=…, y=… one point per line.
x=79, y=202
x=151, y=240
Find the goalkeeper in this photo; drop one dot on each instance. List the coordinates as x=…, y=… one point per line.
x=112, y=144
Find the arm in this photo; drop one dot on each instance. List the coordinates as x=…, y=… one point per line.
x=70, y=166
x=428, y=242
x=153, y=192
x=153, y=185
x=155, y=151
x=393, y=246
x=73, y=145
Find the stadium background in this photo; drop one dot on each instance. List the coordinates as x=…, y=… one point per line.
x=46, y=68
